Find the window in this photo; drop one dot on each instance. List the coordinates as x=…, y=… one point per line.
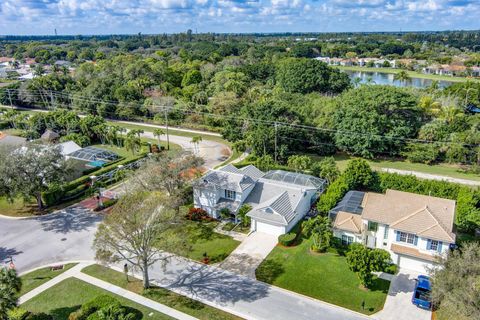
x=433, y=245
x=229, y=194
x=346, y=240
x=372, y=226
x=406, y=237
x=385, y=232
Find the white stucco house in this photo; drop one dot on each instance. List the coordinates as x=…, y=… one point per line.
x=414, y=228
x=279, y=199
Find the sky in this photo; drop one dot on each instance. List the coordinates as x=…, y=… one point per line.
x=42, y=17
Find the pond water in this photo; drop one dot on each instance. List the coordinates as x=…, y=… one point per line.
x=387, y=78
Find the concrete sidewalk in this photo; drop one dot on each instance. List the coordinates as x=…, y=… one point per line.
x=133, y=297
x=76, y=272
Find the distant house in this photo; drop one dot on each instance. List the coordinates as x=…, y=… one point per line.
x=414, y=228
x=279, y=199
x=8, y=140
x=50, y=136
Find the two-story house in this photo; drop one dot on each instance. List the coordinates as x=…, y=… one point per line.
x=414, y=228
x=279, y=199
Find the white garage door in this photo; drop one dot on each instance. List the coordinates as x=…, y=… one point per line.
x=413, y=264
x=269, y=229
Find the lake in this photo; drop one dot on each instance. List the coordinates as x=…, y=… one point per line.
x=387, y=78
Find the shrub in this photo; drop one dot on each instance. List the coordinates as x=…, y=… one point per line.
x=198, y=214
x=287, y=239
x=39, y=316
x=225, y=213
x=391, y=269
x=18, y=314
x=100, y=302
x=332, y=195
x=242, y=214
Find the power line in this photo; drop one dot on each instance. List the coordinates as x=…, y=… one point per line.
x=275, y=124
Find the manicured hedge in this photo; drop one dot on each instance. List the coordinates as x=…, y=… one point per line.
x=287, y=239
x=77, y=187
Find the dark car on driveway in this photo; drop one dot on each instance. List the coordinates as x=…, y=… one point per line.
x=421, y=295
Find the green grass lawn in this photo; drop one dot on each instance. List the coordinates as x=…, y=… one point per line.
x=169, y=298
x=322, y=276
x=443, y=169
x=38, y=277
x=67, y=296
x=413, y=74
x=201, y=238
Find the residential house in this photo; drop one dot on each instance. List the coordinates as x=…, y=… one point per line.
x=9, y=140
x=279, y=199
x=415, y=229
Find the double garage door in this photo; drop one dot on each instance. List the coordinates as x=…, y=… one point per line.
x=268, y=228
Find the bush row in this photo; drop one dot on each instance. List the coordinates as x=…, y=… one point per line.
x=105, y=305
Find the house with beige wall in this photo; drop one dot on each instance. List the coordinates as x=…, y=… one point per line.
x=415, y=229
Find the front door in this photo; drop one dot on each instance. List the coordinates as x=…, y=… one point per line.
x=371, y=242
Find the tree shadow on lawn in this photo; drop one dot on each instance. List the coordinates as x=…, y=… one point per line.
x=63, y=313
x=269, y=271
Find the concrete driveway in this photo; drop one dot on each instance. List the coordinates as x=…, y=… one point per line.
x=246, y=258
x=62, y=236
x=398, y=304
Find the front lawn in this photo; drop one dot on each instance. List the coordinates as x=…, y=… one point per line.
x=322, y=276
x=201, y=238
x=38, y=277
x=161, y=295
x=67, y=296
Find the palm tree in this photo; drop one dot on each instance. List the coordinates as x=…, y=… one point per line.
x=39, y=70
x=10, y=285
x=196, y=141
x=449, y=109
x=121, y=130
x=402, y=76
x=429, y=105
x=112, y=133
x=132, y=141
x=157, y=133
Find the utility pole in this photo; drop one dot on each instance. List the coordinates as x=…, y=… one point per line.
x=276, y=126
x=10, y=98
x=166, y=126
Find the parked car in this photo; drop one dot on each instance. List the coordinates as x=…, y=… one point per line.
x=421, y=295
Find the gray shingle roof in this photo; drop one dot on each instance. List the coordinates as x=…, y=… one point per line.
x=274, y=202
x=253, y=172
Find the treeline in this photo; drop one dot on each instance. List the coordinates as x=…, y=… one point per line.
x=258, y=95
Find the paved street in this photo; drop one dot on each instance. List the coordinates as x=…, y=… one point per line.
x=63, y=236
x=242, y=296
x=213, y=152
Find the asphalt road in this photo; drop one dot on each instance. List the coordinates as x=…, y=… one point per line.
x=62, y=236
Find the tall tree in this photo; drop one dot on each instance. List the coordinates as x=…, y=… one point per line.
x=29, y=171
x=373, y=120
x=456, y=284
x=10, y=285
x=196, y=142
x=158, y=133
x=139, y=224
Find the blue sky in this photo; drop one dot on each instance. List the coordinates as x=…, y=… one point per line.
x=159, y=16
